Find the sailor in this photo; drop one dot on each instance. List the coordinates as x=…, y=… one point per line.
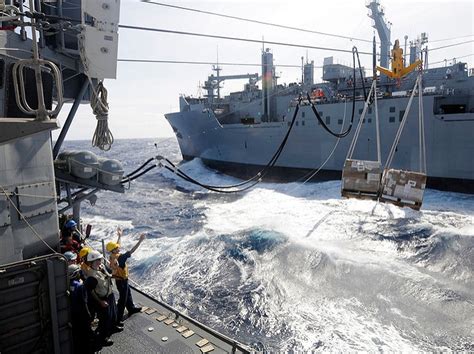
x=68, y=244
x=104, y=298
x=83, y=260
x=71, y=257
x=118, y=263
x=71, y=228
x=83, y=336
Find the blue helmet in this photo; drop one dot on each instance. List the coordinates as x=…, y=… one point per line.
x=71, y=256
x=71, y=224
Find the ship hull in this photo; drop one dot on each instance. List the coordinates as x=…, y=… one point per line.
x=243, y=149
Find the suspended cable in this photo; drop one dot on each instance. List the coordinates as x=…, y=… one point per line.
x=450, y=45
x=442, y=61
x=23, y=218
x=259, y=41
x=450, y=39
x=256, y=21
x=206, y=63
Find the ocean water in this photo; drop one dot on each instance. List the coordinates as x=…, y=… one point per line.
x=293, y=267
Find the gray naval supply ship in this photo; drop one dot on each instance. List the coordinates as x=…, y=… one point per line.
x=53, y=51
x=239, y=133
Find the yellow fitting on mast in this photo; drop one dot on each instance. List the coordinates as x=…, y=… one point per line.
x=398, y=66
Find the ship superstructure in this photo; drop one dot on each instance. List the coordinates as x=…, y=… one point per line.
x=240, y=132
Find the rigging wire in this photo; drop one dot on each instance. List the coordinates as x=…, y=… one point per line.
x=205, y=63
x=22, y=217
x=450, y=45
x=442, y=61
x=259, y=41
x=256, y=21
x=450, y=39
x=283, y=26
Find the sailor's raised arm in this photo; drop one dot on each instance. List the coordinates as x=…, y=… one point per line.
x=140, y=240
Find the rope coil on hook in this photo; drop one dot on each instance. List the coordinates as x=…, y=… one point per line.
x=103, y=138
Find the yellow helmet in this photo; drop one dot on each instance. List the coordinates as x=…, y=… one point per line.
x=84, y=252
x=111, y=246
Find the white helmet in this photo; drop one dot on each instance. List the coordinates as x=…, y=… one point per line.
x=93, y=256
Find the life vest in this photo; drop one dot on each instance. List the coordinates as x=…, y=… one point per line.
x=85, y=269
x=104, y=283
x=117, y=271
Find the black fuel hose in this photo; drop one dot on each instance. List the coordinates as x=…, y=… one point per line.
x=254, y=180
x=349, y=128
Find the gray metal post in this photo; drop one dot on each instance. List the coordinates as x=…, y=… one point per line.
x=70, y=117
x=53, y=306
x=103, y=252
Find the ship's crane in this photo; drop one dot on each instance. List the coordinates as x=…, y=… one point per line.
x=213, y=82
x=236, y=77
x=383, y=29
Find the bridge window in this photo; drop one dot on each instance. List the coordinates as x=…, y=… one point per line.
x=400, y=116
x=339, y=121
x=391, y=119
x=302, y=114
x=328, y=120
x=392, y=109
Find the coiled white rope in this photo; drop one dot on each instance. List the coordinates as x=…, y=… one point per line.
x=103, y=138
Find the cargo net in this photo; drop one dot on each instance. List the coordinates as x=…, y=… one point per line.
x=401, y=187
x=361, y=178
x=365, y=179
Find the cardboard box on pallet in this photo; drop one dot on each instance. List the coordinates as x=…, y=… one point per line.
x=361, y=178
x=404, y=188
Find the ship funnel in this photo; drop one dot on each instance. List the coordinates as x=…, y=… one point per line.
x=267, y=82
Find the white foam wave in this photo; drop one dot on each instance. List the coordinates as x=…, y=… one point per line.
x=343, y=275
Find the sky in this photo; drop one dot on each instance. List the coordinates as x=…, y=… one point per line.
x=143, y=92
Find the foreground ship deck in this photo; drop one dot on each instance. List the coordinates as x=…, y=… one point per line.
x=145, y=332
